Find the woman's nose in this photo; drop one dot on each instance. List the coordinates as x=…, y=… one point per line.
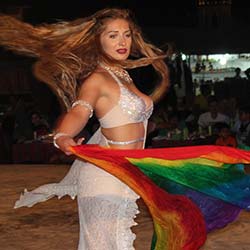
x=122, y=41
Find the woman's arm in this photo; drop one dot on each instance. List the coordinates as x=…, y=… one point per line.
x=77, y=117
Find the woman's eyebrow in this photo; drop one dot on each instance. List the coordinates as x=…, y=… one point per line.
x=117, y=31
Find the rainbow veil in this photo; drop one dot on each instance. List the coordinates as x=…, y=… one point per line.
x=189, y=191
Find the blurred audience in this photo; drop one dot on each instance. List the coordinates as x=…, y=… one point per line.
x=247, y=73
x=212, y=116
x=202, y=99
x=173, y=129
x=159, y=117
x=237, y=73
x=39, y=125
x=192, y=118
x=242, y=126
x=225, y=136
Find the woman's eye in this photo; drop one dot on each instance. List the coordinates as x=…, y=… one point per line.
x=112, y=36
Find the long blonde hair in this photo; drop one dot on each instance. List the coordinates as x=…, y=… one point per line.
x=68, y=51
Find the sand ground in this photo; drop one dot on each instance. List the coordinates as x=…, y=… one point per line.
x=53, y=225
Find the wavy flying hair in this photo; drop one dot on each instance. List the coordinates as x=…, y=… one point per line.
x=68, y=51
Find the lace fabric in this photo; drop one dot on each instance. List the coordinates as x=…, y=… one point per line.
x=107, y=207
x=107, y=215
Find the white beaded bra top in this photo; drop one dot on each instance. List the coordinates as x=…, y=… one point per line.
x=130, y=108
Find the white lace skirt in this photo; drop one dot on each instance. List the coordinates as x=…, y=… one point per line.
x=107, y=207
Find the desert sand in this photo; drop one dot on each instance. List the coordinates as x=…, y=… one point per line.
x=53, y=225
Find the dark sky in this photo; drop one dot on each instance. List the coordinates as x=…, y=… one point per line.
x=147, y=13
x=154, y=16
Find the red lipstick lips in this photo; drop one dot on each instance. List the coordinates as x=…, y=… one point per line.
x=122, y=51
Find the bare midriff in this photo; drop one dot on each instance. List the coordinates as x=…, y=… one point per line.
x=125, y=133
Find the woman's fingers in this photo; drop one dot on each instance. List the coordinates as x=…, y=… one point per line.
x=80, y=140
x=66, y=143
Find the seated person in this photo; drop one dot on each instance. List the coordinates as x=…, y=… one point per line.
x=237, y=73
x=212, y=116
x=242, y=126
x=174, y=127
x=225, y=136
x=39, y=125
x=191, y=120
x=201, y=100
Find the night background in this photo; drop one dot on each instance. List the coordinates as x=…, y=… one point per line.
x=196, y=26
x=197, y=29
x=211, y=61
x=209, y=72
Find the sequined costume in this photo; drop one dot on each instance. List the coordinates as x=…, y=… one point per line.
x=107, y=207
x=207, y=185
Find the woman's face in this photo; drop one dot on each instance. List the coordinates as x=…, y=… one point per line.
x=116, y=39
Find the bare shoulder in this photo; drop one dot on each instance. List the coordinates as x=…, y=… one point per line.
x=95, y=86
x=97, y=80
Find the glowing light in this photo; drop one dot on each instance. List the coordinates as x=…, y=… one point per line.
x=183, y=57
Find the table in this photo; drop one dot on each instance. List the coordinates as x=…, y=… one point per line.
x=38, y=152
x=158, y=142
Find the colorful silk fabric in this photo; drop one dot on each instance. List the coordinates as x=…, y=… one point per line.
x=189, y=191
